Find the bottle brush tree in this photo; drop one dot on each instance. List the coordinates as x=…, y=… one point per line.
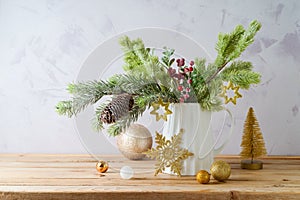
x=253, y=145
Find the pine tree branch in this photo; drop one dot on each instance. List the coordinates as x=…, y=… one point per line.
x=230, y=46
x=123, y=123
x=140, y=86
x=216, y=73
x=65, y=108
x=135, y=56
x=97, y=123
x=240, y=73
x=85, y=94
x=132, y=61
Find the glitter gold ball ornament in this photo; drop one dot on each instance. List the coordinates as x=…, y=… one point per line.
x=220, y=170
x=135, y=140
x=102, y=166
x=203, y=177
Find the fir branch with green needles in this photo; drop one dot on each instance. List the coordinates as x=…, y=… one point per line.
x=230, y=46
x=240, y=73
x=120, y=125
x=135, y=56
x=148, y=78
x=65, y=108
x=84, y=94
x=166, y=59
x=97, y=123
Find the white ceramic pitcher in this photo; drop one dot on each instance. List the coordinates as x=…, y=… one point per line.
x=197, y=136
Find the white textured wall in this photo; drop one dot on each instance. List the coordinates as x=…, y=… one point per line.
x=44, y=42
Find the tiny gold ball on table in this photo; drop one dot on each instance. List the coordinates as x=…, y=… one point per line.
x=102, y=166
x=220, y=170
x=203, y=176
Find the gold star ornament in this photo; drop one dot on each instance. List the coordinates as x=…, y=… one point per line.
x=235, y=89
x=168, y=153
x=157, y=106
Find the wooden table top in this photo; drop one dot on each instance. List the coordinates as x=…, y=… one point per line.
x=32, y=176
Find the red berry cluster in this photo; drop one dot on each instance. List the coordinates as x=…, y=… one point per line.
x=183, y=77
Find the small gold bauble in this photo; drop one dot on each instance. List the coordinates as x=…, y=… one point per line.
x=102, y=166
x=248, y=164
x=220, y=170
x=203, y=176
x=136, y=140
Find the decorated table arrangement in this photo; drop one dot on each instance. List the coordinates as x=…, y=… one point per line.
x=183, y=93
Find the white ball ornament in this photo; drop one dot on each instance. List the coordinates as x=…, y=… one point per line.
x=136, y=140
x=126, y=172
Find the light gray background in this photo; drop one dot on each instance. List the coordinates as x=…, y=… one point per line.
x=44, y=42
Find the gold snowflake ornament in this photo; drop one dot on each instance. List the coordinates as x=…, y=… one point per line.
x=168, y=153
x=235, y=89
x=156, y=106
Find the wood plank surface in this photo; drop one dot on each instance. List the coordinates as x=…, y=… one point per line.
x=42, y=176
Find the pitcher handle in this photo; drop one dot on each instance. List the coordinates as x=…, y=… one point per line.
x=219, y=149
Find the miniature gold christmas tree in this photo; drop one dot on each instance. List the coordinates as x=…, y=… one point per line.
x=253, y=145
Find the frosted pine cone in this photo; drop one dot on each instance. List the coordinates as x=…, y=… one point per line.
x=119, y=106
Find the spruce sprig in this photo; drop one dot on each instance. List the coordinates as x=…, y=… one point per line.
x=240, y=73
x=97, y=123
x=135, y=54
x=230, y=46
x=167, y=59
x=85, y=94
x=123, y=123
x=65, y=108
